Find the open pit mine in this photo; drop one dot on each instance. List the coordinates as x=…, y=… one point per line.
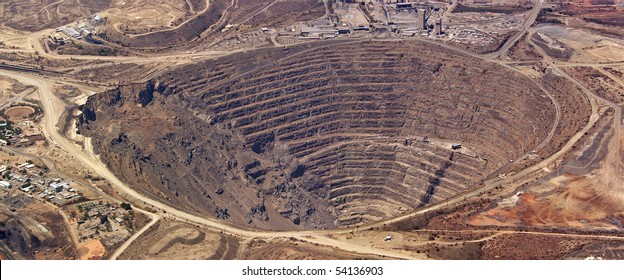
x=319, y=135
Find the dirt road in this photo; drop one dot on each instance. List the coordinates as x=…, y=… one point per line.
x=54, y=107
x=531, y=17
x=132, y=238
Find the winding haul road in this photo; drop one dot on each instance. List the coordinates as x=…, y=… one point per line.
x=53, y=108
x=532, y=16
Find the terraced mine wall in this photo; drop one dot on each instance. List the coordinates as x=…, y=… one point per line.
x=320, y=135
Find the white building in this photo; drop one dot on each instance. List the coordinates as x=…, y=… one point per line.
x=71, y=32
x=58, y=186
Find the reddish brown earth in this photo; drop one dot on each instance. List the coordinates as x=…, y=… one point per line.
x=18, y=112
x=573, y=208
x=531, y=247
x=598, y=11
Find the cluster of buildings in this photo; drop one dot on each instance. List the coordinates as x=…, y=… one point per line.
x=94, y=218
x=400, y=16
x=323, y=29
x=425, y=15
x=353, y=19
x=8, y=134
x=32, y=181
x=22, y=134
x=98, y=217
x=83, y=28
x=69, y=32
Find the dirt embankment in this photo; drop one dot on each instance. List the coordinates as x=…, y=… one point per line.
x=291, y=249
x=43, y=236
x=182, y=34
x=522, y=50
x=33, y=16
x=173, y=241
x=601, y=12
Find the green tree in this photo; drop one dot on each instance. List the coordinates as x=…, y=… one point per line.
x=126, y=206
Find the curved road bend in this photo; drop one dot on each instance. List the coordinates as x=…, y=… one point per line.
x=532, y=16
x=52, y=115
x=52, y=111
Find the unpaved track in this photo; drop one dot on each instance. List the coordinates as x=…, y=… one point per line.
x=52, y=165
x=554, y=65
x=19, y=97
x=532, y=16
x=53, y=109
x=176, y=27
x=615, y=79
x=608, y=237
x=496, y=182
x=132, y=238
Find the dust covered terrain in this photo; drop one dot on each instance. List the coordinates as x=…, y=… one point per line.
x=307, y=141
x=306, y=129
